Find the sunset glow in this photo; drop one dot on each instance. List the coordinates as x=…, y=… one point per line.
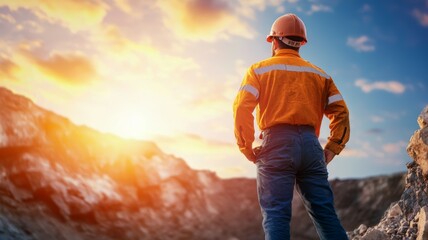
x=168, y=71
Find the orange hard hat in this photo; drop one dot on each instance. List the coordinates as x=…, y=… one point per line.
x=286, y=26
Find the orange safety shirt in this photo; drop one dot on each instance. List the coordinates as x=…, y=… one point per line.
x=289, y=90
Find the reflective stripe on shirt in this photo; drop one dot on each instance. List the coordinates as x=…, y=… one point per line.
x=334, y=98
x=250, y=89
x=291, y=68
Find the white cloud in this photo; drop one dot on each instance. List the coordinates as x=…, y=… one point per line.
x=387, y=116
x=361, y=44
x=248, y=7
x=421, y=17
x=377, y=119
x=389, y=86
x=319, y=8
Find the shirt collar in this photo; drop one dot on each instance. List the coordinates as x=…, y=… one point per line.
x=284, y=52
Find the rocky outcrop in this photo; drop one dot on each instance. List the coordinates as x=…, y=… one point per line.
x=407, y=218
x=418, y=145
x=62, y=181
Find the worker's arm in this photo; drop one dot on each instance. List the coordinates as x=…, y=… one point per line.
x=337, y=111
x=243, y=107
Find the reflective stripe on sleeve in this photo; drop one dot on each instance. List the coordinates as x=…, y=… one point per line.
x=334, y=98
x=291, y=68
x=250, y=89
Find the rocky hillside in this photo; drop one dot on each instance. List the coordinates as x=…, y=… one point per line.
x=62, y=181
x=408, y=217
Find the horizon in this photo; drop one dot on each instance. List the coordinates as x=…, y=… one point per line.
x=168, y=72
x=118, y=139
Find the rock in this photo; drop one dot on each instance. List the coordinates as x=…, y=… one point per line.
x=362, y=229
x=423, y=224
x=391, y=231
x=418, y=149
x=63, y=181
x=394, y=211
x=423, y=118
x=8, y=231
x=375, y=234
x=407, y=218
x=418, y=145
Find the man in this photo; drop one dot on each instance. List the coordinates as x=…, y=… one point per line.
x=291, y=96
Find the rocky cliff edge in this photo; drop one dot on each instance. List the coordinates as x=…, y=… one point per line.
x=407, y=218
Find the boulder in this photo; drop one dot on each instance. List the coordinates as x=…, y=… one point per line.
x=423, y=224
x=423, y=118
x=418, y=144
x=394, y=211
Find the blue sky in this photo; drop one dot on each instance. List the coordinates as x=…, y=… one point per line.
x=168, y=71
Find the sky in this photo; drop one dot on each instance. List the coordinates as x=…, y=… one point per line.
x=168, y=71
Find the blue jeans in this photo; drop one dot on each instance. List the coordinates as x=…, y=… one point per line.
x=292, y=154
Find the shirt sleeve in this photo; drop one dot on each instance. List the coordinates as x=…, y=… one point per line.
x=338, y=113
x=243, y=107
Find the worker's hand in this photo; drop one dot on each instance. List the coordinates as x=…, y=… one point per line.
x=249, y=154
x=257, y=150
x=329, y=155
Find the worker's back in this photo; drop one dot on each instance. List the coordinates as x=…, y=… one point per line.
x=292, y=91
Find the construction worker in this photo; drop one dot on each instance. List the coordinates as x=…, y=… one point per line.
x=291, y=96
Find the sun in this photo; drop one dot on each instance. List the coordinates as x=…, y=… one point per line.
x=128, y=122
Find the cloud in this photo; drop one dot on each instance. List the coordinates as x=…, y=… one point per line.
x=124, y=5
x=351, y=152
x=8, y=69
x=421, y=17
x=71, y=68
x=389, y=86
x=75, y=15
x=248, y=8
x=113, y=40
x=206, y=20
x=7, y=18
x=361, y=44
x=377, y=119
x=383, y=116
x=382, y=153
x=394, y=148
x=319, y=8
x=30, y=26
